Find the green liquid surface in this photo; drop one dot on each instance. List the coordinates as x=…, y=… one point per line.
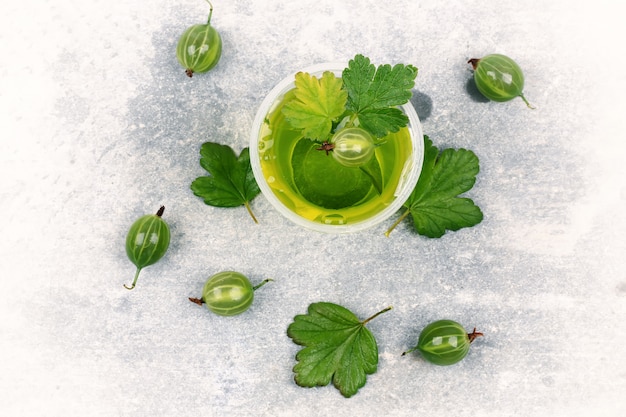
x=315, y=186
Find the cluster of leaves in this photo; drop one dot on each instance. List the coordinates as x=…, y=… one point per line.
x=338, y=348
x=230, y=182
x=434, y=204
x=366, y=95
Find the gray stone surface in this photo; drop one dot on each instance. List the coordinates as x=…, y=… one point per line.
x=100, y=125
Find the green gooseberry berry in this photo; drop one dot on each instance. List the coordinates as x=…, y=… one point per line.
x=200, y=47
x=147, y=241
x=444, y=342
x=228, y=293
x=353, y=146
x=498, y=78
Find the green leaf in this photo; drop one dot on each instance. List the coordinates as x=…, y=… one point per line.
x=316, y=105
x=338, y=348
x=374, y=93
x=372, y=170
x=434, y=204
x=231, y=182
x=380, y=122
x=325, y=182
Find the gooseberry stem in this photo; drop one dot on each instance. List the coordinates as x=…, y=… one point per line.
x=198, y=301
x=260, y=284
x=397, y=222
x=473, y=335
x=364, y=322
x=326, y=147
x=134, y=280
x=208, y=22
x=526, y=101
x=409, y=351
x=474, y=62
x=210, y=12
x=159, y=213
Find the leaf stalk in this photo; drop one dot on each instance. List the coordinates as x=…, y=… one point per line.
x=247, y=205
x=364, y=322
x=397, y=222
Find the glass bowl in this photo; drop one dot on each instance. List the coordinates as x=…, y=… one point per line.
x=274, y=189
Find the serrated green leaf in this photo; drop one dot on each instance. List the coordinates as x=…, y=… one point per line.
x=357, y=80
x=372, y=170
x=381, y=122
x=432, y=217
x=231, y=182
x=338, y=348
x=325, y=182
x=430, y=157
x=452, y=172
x=434, y=204
x=373, y=94
x=316, y=104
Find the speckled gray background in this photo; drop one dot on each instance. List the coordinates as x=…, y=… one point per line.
x=100, y=125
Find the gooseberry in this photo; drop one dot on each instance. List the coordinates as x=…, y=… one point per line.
x=228, y=293
x=444, y=342
x=498, y=78
x=200, y=47
x=147, y=241
x=352, y=146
